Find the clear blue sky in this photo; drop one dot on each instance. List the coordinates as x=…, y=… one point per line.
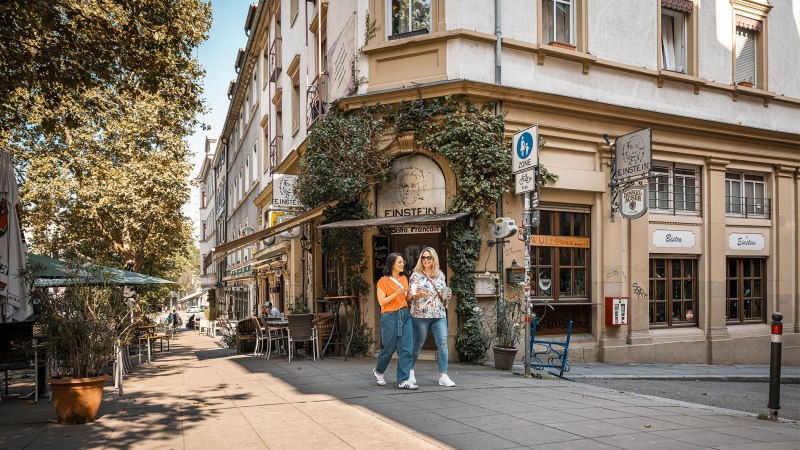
x=217, y=56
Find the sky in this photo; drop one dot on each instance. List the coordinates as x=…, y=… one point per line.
x=217, y=56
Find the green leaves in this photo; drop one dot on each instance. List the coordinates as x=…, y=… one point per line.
x=97, y=98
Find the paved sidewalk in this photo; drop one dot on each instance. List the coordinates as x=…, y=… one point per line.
x=699, y=372
x=200, y=396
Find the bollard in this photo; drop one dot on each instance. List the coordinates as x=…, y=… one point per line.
x=775, y=366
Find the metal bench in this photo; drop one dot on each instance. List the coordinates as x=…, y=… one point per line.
x=554, y=351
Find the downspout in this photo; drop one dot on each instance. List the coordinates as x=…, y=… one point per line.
x=498, y=52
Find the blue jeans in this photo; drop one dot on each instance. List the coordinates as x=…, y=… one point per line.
x=396, y=334
x=439, y=329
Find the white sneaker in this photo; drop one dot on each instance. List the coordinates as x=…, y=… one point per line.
x=444, y=380
x=411, y=378
x=408, y=385
x=378, y=378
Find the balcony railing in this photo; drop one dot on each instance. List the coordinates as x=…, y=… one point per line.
x=748, y=206
x=677, y=194
x=275, y=59
x=317, y=95
x=275, y=153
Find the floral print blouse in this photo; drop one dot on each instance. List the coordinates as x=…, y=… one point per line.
x=427, y=307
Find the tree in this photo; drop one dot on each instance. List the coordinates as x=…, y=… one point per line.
x=96, y=100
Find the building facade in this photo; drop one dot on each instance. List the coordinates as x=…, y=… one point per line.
x=703, y=269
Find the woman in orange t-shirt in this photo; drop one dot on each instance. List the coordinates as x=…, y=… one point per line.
x=396, y=331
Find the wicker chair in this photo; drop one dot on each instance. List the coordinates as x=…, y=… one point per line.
x=323, y=324
x=301, y=329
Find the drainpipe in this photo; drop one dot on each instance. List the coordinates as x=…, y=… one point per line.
x=498, y=51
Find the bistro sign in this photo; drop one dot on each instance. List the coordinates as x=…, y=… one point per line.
x=283, y=195
x=560, y=241
x=673, y=239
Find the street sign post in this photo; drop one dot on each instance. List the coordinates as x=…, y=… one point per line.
x=525, y=149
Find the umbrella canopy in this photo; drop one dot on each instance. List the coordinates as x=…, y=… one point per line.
x=13, y=303
x=49, y=272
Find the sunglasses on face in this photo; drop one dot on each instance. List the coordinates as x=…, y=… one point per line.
x=427, y=258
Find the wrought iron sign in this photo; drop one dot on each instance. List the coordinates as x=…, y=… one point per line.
x=631, y=165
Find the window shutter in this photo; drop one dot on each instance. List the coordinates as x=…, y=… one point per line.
x=745, y=55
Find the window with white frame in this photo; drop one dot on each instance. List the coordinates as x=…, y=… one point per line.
x=673, y=39
x=745, y=195
x=408, y=17
x=674, y=189
x=558, y=21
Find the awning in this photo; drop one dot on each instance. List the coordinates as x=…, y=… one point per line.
x=427, y=219
x=236, y=244
x=195, y=295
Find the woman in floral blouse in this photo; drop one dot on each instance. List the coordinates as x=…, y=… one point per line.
x=428, y=311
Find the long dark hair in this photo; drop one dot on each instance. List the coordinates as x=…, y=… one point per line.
x=390, y=260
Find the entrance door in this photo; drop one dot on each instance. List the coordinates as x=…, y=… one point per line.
x=411, y=246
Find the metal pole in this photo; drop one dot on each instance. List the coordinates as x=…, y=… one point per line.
x=775, y=366
x=528, y=216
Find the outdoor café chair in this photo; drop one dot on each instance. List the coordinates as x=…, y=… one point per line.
x=301, y=329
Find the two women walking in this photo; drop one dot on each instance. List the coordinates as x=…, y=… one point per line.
x=404, y=330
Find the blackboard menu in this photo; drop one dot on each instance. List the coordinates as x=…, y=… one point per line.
x=380, y=250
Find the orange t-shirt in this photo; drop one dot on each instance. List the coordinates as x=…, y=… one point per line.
x=389, y=287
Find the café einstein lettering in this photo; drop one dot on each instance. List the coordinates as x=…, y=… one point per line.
x=738, y=241
x=415, y=187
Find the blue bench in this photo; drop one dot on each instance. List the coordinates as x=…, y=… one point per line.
x=555, y=352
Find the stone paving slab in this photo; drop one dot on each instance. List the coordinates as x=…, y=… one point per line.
x=198, y=395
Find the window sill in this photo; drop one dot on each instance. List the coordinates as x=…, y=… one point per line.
x=679, y=77
x=569, y=54
x=753, y=92
x=407, y=35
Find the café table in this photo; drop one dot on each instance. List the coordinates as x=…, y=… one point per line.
x=335, y=303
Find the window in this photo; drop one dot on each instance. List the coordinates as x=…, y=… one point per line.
x=745, y=195
x=408, y=17
x=745, y=290
x=558, y=21
x=674, y=35
x=295, y=103
x=745, y=48
x=750, y=43
x=203, y=199
x=205, y=230
x=255, y=163
x=674, y=189
x=558, y=271
x=673, y=292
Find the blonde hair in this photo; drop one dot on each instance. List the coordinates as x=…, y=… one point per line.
x=419, y=268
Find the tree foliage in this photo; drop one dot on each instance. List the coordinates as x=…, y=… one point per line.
x=96, y=100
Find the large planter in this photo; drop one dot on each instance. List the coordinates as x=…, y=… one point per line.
x=77, y=400
x=504, y=357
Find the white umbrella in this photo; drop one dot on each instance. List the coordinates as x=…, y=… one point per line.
x=13, y=302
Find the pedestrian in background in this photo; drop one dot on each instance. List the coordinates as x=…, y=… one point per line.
x=396, y=331
x=429, y=297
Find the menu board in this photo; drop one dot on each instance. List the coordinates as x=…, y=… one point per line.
x=380, y=251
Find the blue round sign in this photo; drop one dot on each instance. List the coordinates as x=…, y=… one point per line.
x=524, y=146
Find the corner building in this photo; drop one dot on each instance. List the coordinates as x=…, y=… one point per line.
x=718, y=83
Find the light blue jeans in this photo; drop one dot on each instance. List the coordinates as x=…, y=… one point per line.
x=396, y=334
x=439, y=329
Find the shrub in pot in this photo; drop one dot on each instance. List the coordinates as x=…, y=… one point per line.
x=503, y=325
x=81, y=326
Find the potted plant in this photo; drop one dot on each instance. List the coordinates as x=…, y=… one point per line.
x=298, y=306
x=82, y=325
x=507, y=327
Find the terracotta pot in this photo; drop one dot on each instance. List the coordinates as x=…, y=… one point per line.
x=77, y=400
x=504, y=357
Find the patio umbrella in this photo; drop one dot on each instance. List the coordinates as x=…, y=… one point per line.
x=50, y=272
x=13, y=303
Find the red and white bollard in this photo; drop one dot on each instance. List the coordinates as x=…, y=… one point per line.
x=775, y=366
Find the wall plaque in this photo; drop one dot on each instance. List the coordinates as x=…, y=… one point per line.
x=750, y=241
x=673, y=239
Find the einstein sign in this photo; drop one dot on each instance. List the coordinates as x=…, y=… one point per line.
x=634, y=155
x=283, y=191
x=415, y=187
